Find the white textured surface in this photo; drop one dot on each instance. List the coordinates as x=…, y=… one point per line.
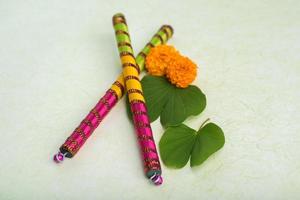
x=58, y=57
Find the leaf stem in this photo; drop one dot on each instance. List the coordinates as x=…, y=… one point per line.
x=204, y=123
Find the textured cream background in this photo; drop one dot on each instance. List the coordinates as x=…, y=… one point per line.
x=58, y=57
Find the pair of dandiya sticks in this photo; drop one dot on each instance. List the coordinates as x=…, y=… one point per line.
x=130, y=82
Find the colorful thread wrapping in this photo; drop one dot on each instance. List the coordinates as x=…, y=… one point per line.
x=89, y=124
x=85, y=129
x=141, y=120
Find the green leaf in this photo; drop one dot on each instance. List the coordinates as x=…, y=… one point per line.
x=209, y=140
x=128, y=109
x=180, y=143
x=172, y=104
x=157, y=92
x=176, y=145
x=181, y=104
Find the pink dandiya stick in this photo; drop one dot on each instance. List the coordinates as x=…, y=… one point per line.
x=85, y=129
x=140, y=117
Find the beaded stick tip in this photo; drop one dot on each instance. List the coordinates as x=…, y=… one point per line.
x=138, y=107
x=85, y=129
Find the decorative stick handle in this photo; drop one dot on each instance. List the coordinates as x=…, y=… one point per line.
x=137, y=102
x=76, y=140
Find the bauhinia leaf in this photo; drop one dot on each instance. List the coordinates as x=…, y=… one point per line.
x=209, y=140
x=172, y=104
x=180, y=143
x=157, y=92
x=181, y=104
x=176, y=145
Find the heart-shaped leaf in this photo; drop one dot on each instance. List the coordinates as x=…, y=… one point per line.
x=209, y=139
x=172, y=104
x=176, y=145
x=179, y=143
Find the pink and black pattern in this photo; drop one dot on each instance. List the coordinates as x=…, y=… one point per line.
x=87, y=126
x=146, y=141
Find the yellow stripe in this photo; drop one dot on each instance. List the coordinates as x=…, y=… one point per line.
x=136, y=96
x=117, y=90
x=121, y=80
x=130, y=71
x=128, y=59
x=134, y=83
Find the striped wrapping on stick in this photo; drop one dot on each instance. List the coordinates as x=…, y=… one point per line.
x=85, y=129
x=133, y=87
x=89, y=124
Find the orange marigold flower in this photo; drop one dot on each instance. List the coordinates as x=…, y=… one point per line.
x=166, y=60
x=181, y=72
x=159, y=58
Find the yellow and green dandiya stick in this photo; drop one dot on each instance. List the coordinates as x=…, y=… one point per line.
x=137, y=102
x=85, y=129
x=161, y=37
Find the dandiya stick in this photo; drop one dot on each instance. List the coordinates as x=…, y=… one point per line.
x=133, y=87
x=85, y=129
